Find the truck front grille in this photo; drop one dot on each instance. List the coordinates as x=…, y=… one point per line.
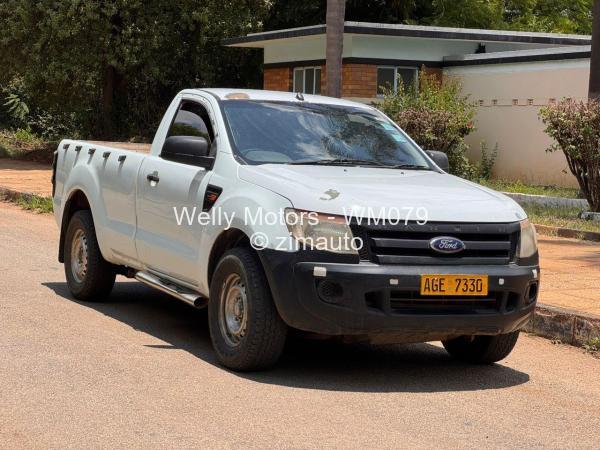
x=408, y=244
x=412, y=302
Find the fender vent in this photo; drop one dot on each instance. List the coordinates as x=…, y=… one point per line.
x=211, y=196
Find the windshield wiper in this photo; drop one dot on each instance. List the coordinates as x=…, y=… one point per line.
x=410, y=167
x=336, y=161
x=357, y=162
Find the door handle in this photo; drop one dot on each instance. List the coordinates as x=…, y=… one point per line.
x=153, y=177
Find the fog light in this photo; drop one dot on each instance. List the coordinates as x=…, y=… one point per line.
x=330, y=291
x=532, y=292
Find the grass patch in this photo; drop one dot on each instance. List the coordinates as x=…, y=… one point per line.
x=560, y=216
x=31, y=202
x=36, y=203
x=22, y=144
x=593, y=346
x=523, y=188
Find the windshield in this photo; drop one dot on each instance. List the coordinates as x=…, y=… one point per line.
x=308, y=133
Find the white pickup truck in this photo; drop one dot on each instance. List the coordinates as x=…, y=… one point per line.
x=280, y=211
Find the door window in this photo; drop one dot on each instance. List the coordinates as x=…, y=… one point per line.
x=192, y=119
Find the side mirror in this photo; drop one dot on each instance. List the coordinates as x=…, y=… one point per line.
x=192, y=150
x=440, y=158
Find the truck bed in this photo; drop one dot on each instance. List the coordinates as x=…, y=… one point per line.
x=132, y=146
x=107, y=173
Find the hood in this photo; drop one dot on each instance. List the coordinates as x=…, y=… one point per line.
x=371, y=192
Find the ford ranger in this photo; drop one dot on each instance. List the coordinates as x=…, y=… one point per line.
x=280, y=211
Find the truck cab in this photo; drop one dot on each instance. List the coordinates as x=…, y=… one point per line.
x=279, y=211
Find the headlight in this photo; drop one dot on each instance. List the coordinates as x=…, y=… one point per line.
x=321, y=232
x=528, y=240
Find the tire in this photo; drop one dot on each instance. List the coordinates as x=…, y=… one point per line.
x=254, y=336
x=481, y=349
x=96, y=277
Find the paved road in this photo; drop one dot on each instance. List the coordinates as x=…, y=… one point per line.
x=139, y=372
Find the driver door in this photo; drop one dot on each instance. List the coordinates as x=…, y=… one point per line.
x=167, y=188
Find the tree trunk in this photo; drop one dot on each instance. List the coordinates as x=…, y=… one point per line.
x=336, y=10
x=110, y=78
x=594, y=87
x=107, y=127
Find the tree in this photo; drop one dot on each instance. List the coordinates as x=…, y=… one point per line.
x=594, y=86
x=555, y=16
x=334, y=48
x=298, y=13
x=117, y=63
x=575, y=126
x=110, y=67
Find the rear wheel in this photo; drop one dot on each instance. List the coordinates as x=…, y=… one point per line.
x=246, y=330
x=482, y=349
x=89, y=276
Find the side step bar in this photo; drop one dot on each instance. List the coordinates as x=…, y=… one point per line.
x=185, y=295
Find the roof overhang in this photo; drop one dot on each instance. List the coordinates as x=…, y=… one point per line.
x=259, y=40
x=536, y=55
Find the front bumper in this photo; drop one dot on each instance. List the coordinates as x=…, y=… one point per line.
x=369, y=304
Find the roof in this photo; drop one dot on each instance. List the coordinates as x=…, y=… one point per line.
x=416, y=31
x=545, y=54
x=281, y=96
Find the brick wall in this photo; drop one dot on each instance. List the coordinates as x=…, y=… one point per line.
x=323, y=80
x=359, y=80
x=277, y=79
x=437, y=72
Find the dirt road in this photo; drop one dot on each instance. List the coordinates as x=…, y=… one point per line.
x=138, y=371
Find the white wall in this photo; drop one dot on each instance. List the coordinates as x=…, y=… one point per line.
x=382, y=47
x=422, y=49
x=305, y=48
x=517, y=129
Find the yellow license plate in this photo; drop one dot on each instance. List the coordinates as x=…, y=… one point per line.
x=459, y=285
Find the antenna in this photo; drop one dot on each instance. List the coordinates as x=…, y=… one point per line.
x=299, y=96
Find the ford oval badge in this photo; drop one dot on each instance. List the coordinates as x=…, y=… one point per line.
x=447, y=244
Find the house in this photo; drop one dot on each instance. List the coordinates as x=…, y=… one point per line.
x=508, y=74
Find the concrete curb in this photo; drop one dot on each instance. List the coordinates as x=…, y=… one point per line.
x=545, y=200
x=568, y=233
x=570, y=327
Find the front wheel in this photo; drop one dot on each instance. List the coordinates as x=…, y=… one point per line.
x=482, y=349
x=245, y=328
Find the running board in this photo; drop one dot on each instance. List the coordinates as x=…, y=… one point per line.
x=185, y=295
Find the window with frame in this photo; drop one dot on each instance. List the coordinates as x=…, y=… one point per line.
x=192, y=119
x=307, y=80
x=388, y=78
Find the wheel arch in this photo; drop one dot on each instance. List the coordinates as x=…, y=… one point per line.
x=228, y=239
x=77, y=201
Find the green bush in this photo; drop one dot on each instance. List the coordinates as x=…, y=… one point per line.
x=438, y=117
x=575, y=126
x=17, y=115
x=485, y=166
x=23, y=144
x=14, y=108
